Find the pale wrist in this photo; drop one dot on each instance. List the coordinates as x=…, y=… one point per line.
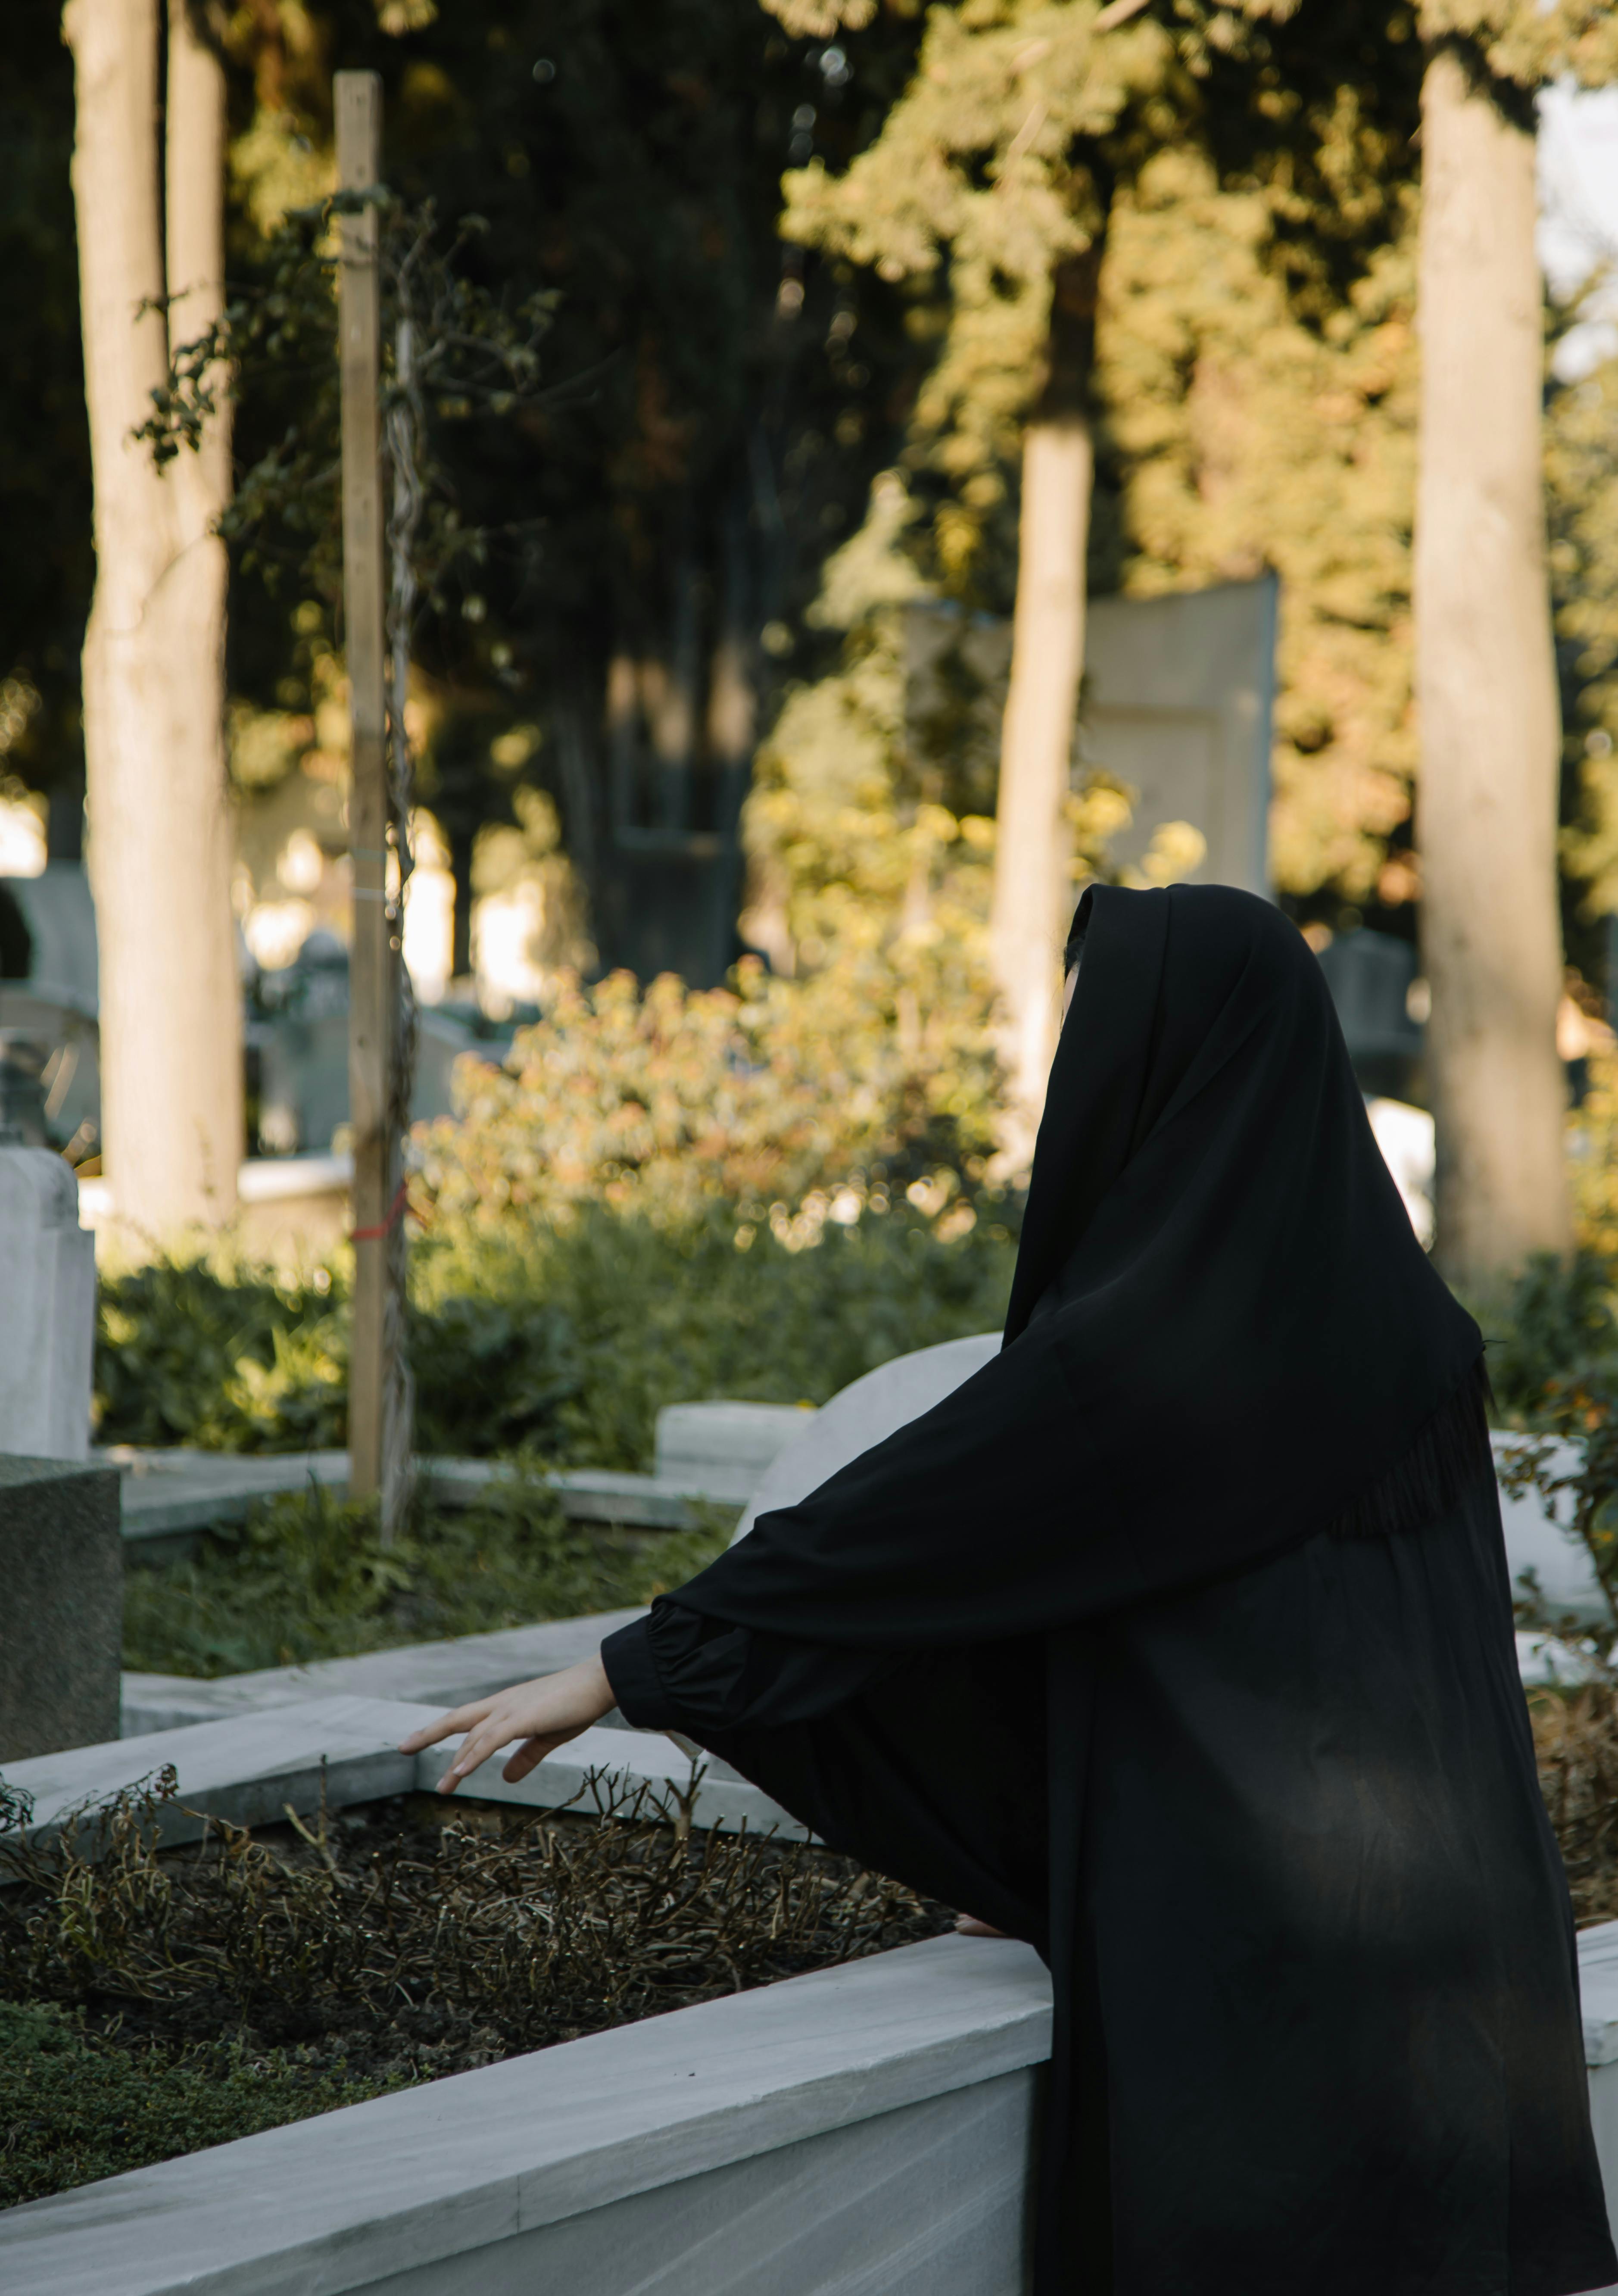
x=596, y=1688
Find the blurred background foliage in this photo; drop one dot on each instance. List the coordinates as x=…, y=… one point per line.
x=758, y=352
x=561, y=1337
x=806, y=305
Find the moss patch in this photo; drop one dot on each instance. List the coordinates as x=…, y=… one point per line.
x=76, y=2104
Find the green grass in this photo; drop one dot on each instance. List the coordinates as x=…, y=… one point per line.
x=75, y=2105
x=307, y=1577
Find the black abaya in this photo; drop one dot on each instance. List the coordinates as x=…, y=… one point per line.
x=1255, y=1775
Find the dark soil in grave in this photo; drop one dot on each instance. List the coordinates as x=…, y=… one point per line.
x=155, y=2002
x=152, y=2002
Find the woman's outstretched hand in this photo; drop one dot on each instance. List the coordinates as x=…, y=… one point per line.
x=544, y=1714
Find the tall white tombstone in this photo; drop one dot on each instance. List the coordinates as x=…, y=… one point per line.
x=865, y=1413
x=47, y=1309
x=1177, y=705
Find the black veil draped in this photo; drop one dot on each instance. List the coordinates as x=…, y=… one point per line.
x=1222, y=1332
x=1109, y=1650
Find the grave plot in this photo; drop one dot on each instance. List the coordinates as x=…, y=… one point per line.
x=863, y=2125
x=877, y=2108
x=349, y=1952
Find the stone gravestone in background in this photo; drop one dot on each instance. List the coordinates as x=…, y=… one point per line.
x=61, y=1606
x=1178, y=702
x=60, y=1543
x=47, y=1309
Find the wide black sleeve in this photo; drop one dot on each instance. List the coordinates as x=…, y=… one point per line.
x=676, y=1670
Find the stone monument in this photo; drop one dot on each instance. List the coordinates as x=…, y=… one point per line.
x=61, y=1606
x=47, y=1309
x=1177, y=705
x=872, y=1407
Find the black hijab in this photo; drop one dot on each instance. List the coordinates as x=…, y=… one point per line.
x=1222, y=1330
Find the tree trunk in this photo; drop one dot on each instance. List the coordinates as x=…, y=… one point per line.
x=733, y=715
x=1028, y=917
x=1486, y=679
x=153, y=659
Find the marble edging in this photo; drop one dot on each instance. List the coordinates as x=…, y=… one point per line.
x=437, y=2171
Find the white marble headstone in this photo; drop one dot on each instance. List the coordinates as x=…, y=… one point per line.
x=47, y=1309
x=863, y=1415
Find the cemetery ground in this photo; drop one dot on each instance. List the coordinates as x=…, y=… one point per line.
x=157, y=2001
x=153, y=2002
x=550, y=1346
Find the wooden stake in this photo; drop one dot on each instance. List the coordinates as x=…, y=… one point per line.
x=372, y=986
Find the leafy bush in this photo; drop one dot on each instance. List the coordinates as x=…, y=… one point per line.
x=307, y=1577
x=607, y=1318
x=1552, y=1328
x=666, y=1101
x=221, y=1354
x=1593, y=1162
x=565, y=1337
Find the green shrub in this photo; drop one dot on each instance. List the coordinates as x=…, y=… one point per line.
x=602, y=1322
x=75, y=2106
x=223, y=1355
x=560, y=1339
x=1553, y=1326
x=307, y=1577
x=665, y=1100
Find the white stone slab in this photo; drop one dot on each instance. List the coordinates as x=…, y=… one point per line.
x=1535, y=1540
x=723, y=1448
x=862, y=1415
x=639, y=1502
x=1599, y=1992
x=440, y=1674
x=620, y=1761
x=248, y=1767
x=47, y=1309
x=929, y=2200
x=169, y=1495
x=168, y=1491
x=245, y=1769
x=439, y=2187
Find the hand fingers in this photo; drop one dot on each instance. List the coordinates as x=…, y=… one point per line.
x=462, y=1719
x=527, y=1757
x=475, y=1750
x=534, y=1751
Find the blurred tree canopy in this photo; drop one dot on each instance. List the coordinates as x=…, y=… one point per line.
x=44, y=455
x=636, y=602
x=636, y=554
x=1253, y=183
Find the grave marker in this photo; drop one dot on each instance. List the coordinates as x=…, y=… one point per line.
x=62, y=1567
x=47, y=1330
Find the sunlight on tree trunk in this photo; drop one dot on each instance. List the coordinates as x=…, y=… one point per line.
x=153, y=658
x=1489, y=711
x=1028, y=917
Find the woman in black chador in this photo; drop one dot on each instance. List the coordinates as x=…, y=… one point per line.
x=1178, y=1642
